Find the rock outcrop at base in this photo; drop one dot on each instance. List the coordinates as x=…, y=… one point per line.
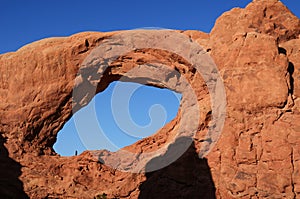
x=257, y=51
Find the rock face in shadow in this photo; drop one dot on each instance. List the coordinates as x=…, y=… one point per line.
x=257, y=53
x=10, y=170
x=187, y=177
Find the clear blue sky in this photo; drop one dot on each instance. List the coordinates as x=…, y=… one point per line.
x=23, y=22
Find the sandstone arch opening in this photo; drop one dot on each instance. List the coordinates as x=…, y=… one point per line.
x=122, y=120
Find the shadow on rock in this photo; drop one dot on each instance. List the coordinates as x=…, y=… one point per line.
x=10, y=185
x=187, y=177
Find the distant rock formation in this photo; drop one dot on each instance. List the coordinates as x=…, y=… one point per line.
x=257, y=51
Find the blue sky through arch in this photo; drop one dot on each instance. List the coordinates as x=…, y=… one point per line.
x=150, y=109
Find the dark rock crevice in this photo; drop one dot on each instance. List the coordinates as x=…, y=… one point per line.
x=292, y=173
x=290, y=70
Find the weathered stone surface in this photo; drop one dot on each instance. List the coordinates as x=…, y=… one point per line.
x=257, y=156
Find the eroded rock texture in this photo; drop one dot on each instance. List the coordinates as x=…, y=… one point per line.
x=257, y=51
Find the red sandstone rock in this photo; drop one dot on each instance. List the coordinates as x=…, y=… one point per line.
x=257, y=50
